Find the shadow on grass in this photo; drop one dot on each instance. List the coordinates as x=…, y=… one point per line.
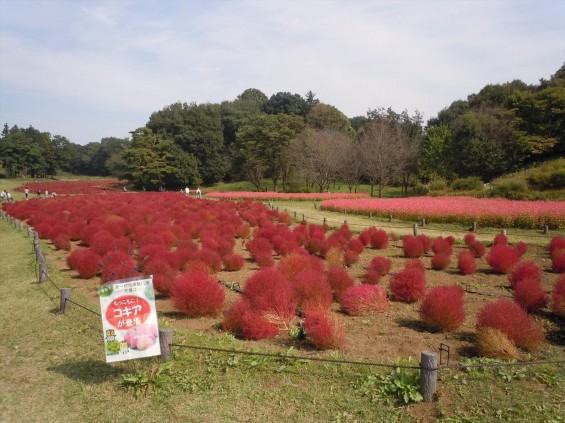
x=414, y=324
x=89, y=371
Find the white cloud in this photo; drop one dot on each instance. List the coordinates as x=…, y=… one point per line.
x=134, y=58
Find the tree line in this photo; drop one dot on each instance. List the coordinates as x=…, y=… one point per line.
x=289, y=137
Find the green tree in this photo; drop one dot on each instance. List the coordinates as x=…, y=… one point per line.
x=263, y=146
x=435, y=159
x=311, y=99
x=148, y=159
x=323, y=116
x=287, y=103
x=198, y=130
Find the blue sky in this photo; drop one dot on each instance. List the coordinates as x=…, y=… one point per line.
x=93, y=69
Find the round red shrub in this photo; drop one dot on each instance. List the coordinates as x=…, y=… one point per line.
x=339, y=280
x=558, y=262
x=558, y=297
x=356, y=245
x=270, y=292
x=466, y=262
x=312, y=290
x=233, y=262
x=259, y=246
x=371, y=276
x=469, y=239
x=88, y=264
x=246, y=323
x=163, y=274
x=441, y=261
x=426, y=242
x=197, y=294
x=211, y=258
x=62, y=242
x=478, y=249
x=72, y=257
x=381, y=264
x=350, y=257
x=408, y=285
x=508, y=317
x=412, y=246
x=379, y=239
x=442, y=308
x=117, y=265
x=325, y=332
x=442, y=245
x=522, y=248
x=363, y=300
x=502, y=258
x=530, y=294
x=556, y=243
x=102, y=242
x=525, y=270
x=500, y=239
x=415, y=264
x=295, y=263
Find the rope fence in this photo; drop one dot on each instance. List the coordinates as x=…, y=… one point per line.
x=428, y=367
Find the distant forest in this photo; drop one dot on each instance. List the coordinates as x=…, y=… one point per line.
x=289, y=137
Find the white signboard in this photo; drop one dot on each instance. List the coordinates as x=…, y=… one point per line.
x=129, y=319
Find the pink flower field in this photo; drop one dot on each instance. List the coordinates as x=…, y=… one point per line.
x=495, y=212
x=265, y=196
x=71, y=187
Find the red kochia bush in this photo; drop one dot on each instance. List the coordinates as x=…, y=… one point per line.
x=62, y=242
x=522, y=248
x=326, y=332
x=530, y=294
x=415, y=264
x=72, y=257
x=379, y=239
x=440, y=261
x=246, y=323
x=88, y=264
x=556, y=243
x=312, y=290
x=371, y=277
x=442, y=308
x=364, y=299
x=478, y=249
x=412, y=246
x=350, y=257
x=381, y=265
x=339, y=280
x=525, y=270
x=197, y=294
x=508, y=317
x=442, y=245
x=426, y=242
x=469, y=239
x=163, y=274
x=466, y=262
x=408, y=285
x=295, y=262
x=233, y=262
x=356, y=245
x=502, y=258
x=117, y=265
x=500, y=239
x=269, y=292
x=558, y=297
x=558, y=261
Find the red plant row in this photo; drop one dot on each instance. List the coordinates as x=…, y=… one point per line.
x=70, y=187
x=496, y=212
x=265, y=196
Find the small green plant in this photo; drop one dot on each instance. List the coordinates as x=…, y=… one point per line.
x=143, y=382
x=511, y=189
x=402, y=384
x=472, y=183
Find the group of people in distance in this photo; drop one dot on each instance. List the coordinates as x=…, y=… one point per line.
x=5, y=196
x=186, y=191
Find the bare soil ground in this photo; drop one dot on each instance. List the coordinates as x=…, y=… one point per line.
x=380, y=337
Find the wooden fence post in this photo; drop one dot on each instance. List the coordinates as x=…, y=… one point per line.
x=64, y=302
x=474, y=227
x=165, y=341
x=390, y=217
x=325, y=221
x=423, y=221
x=428, y=375
x=42, y=271
x=546, y=229
x=503, y=232
x=415, y=229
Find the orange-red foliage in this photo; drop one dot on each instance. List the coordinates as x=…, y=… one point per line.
x=442, y=308
x=197, y=294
